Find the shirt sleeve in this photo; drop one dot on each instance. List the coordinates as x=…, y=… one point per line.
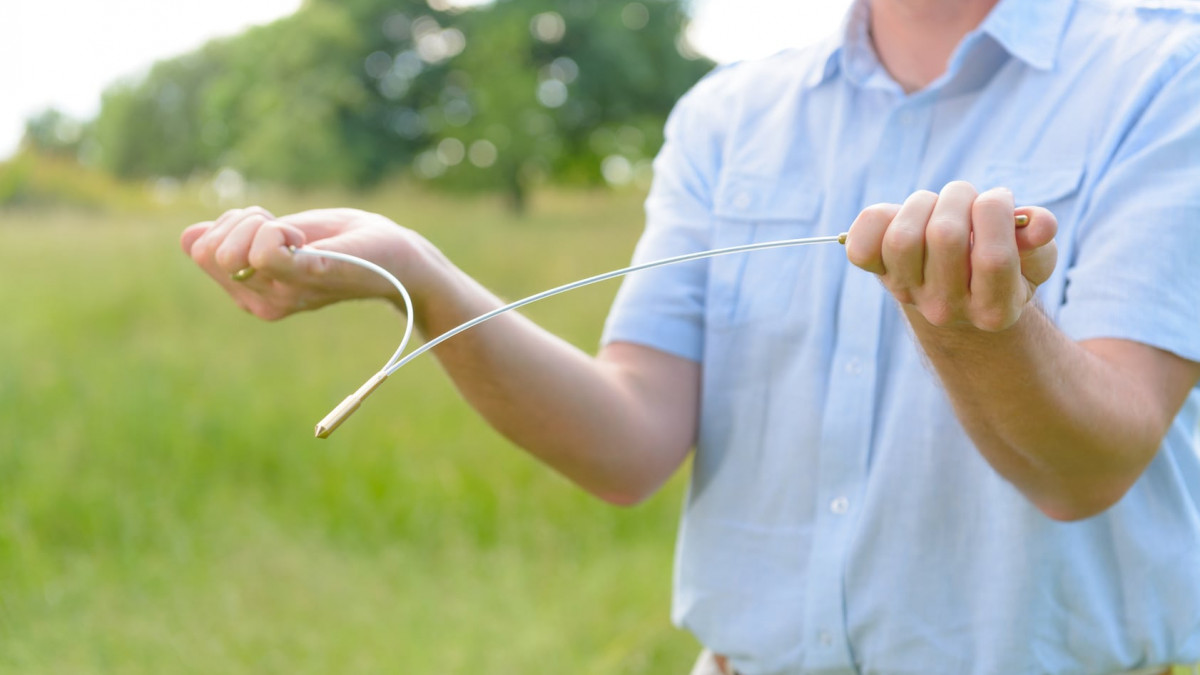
x=664, y=307
x=1136, y=266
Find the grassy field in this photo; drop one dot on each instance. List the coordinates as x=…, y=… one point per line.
x=165, y=509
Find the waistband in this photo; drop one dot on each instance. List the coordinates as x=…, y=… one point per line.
x=721, y=665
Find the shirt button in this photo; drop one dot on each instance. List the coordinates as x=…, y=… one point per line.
x=741, y=201
x=908, y=119
x=825, y=638
x=854, y=367
x=840, y=506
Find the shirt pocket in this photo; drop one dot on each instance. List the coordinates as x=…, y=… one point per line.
x=1053, y=187
x=749, y=208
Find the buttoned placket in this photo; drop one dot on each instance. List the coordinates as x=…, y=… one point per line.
x=849, y=411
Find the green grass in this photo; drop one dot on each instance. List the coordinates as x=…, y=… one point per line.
x=164, y=508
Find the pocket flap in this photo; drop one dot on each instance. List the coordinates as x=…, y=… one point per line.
x=1035, y=186
x=788, y=196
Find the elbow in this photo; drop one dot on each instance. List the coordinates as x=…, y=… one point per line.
x=1077, y=492
x=625, y=498
x=1072, y=513
x=1083, y=504
x=630, y=493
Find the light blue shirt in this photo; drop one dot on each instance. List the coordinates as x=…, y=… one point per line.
x=839, y=519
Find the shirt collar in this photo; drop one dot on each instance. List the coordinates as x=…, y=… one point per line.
x=1029, y=30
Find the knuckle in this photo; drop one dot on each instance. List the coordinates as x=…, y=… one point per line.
x=228, y=258
x=203, y=249
x=993, y=319
x=878, y=212
x=938, y=313
x=924, y=198
x=904, y=296
x=944, y=232
x=260, y=259
x=960, y=187
x=902, y=239
x=993, y=199
x=993, y=260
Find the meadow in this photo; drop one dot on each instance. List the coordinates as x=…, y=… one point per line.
x=165, y=509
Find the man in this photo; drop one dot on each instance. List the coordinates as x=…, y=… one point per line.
x=963, y=477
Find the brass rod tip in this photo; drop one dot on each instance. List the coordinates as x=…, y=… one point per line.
x=842, y=238
x=1022, y=220
x=346, y=408
x=243, y=274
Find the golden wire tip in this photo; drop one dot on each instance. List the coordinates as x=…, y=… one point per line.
x=842, y=238
x=347, y=407
x=1022, y=220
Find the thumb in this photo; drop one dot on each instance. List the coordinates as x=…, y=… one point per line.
x=1035, y=242
x=1042, y=228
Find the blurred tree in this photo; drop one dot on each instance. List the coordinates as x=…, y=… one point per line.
x=574, y=89
x=53, y=132
x=348, y=91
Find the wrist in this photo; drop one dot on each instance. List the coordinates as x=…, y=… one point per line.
x=962, y=339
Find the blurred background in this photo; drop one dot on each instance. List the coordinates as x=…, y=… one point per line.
x=163, y=506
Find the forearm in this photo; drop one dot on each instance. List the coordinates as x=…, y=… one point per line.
x=1069, y=429
x=618, y=425
x=585, y=417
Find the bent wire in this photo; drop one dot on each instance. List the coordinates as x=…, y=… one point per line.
x=339, y=414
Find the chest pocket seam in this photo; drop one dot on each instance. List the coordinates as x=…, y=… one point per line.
x=1037, y=187
x=748, y=208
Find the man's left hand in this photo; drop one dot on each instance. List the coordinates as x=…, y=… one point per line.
x=957, y=257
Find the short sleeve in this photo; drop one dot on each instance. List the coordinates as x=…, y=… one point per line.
x=1135, y=271
x=664, y=307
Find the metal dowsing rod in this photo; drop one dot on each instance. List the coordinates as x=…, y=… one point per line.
x=351, y=403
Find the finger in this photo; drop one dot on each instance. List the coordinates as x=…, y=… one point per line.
x=904, y=243
x=995, y=262
x=1041, y=230
x=191, y=234
x=233, y=254
x=1038, y=264
x=947, y=253
x=208, y=243
x=864, y=242
x=269, y=251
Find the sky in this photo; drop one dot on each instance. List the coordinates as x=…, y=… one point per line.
x=63, y=53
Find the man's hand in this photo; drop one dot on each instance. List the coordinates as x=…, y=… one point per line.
x=275, y=283
x=956, y=257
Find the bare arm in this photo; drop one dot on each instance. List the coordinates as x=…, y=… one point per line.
x=618, y=425
x=1072, y=425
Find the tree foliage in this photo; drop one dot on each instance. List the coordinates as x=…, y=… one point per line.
x=349, y=91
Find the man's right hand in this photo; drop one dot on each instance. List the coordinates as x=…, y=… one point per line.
x=281, y=283
x=619, y=425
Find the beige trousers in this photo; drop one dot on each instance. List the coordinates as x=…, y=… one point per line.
x=707, y=664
